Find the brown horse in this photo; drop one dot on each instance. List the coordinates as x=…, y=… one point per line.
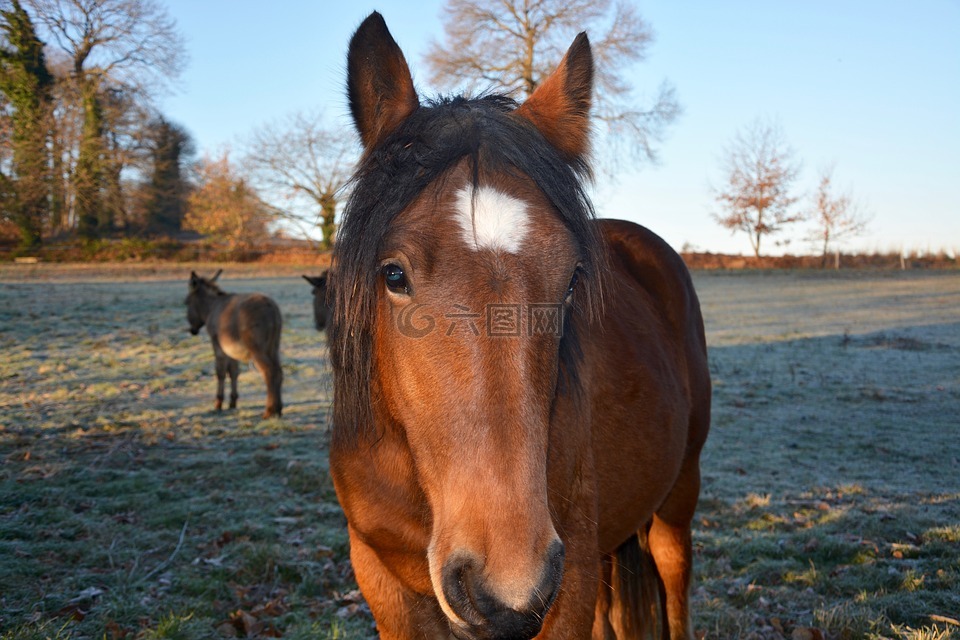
x=521, y=391
x=321, y=300
x=242, y=327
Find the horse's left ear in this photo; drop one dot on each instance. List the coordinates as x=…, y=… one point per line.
x=215, y=276
x=379, y=84
x=560, y=106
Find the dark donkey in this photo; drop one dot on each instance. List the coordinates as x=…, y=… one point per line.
x=322, y=304
x=242, y=327
x=537, y=478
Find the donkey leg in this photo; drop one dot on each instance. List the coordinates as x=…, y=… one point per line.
x=234, y=370
x=671, y=547
x=221, y=374
x=269, y=368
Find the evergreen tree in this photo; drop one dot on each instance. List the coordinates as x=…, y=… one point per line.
x=167, y=189
x=26, y=81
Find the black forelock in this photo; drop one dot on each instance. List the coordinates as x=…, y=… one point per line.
x=433, y=140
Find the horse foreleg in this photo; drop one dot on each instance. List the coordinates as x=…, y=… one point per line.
x=401, y=613
x=234, y=369
x=602, y=629
x=573, y=613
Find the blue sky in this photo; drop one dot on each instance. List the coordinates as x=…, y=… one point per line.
x=870, y=87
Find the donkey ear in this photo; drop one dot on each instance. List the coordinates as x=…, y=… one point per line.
x=560, y=106
x=379, y=85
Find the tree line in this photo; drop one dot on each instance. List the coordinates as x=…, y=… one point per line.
x=77, y=117
x=85, y=152
x=758, y=198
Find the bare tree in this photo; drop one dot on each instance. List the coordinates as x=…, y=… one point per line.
x=836, y=217
x=133, y=42
x=301, y=166
x=511, y=45
x=115, y=48
x=760, y=169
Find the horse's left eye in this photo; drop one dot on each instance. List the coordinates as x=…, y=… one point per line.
x=572, y=286
x=395, y=278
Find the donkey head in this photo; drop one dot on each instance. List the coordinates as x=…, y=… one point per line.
x=198, y=299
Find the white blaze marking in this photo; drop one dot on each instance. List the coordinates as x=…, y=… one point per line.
x=490, y=219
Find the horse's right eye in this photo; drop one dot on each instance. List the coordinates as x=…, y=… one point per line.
x=395, y=278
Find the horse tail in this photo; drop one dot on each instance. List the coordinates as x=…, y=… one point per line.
x=637, y=590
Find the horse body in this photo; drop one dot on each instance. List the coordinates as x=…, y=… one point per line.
x=521, y=391
x=242, y=328
x=650, y=415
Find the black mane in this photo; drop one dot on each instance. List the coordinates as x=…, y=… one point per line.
x=430, y=142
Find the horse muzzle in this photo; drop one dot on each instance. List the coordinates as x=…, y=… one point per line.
x=484, y=616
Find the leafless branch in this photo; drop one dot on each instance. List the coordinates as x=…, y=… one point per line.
x=509, y=46
x=301, y=166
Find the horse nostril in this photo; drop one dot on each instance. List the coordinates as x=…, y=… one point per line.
x=484, y=614
x=459, y=589
x=552, y=575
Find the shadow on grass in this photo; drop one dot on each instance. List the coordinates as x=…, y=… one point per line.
x=226, y=520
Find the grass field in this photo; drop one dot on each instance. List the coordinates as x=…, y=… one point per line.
x=129, y=509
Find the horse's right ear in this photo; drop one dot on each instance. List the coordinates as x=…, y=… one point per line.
x=194, y=279
x=313, y=281
x=379, y=84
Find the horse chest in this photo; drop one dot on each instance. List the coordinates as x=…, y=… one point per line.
x=385, y=506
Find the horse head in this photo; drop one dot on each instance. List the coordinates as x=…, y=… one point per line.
x=466, y=260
